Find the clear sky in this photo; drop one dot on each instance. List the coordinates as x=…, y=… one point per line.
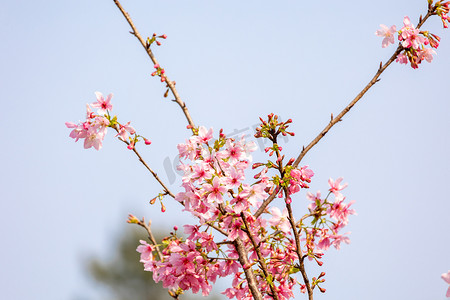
x=233, y=61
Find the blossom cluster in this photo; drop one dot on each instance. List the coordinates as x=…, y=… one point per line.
x=414, y=41
x=217, y=194
x=93, y=130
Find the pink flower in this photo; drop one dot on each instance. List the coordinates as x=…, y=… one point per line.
x=254, y=193
x=315, y=200
x=123, y=131
x=201, y=172
x=427, y=54
x=402, y=59
x=338, y=239
x=192, y=230
x=204, y=135
x=234, y=178
x=93, y=139
x=215, y=190
x=410, y=36
x=280, y=219
x=146, y=251
x=234, y=151
x=79, y=131
x=102, y=104
x=446, y=277
x=335, y=186
x=340, y=210
x=387, y=33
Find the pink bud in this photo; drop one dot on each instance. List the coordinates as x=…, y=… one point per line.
x=162, y=71
x=175, y=228
x=156, y=66
x=164, y=36
x=288, y=200
x=158, y=43
x=147, y=142
x=163, y=78
x=130, y=146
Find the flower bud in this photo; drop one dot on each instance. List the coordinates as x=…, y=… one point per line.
x=132, y=219
x=175, y=228
x=156, y=66
x=147, y=142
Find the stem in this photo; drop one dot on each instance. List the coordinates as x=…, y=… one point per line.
x=249, y=275
x=166, y=189
x=170, y=84
x=151, y=236
x=298, y=250
x=261, y=261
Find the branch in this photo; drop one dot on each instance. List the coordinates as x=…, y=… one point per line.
x=339, y=117
x=166, y=189
x=170, y=84
x=133, y=220
x=358, y=97
x=298, y=250
x=249, y=275
x=262, y=263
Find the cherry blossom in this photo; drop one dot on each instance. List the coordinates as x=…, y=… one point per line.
x=387, y=33
x=335, y=186
x=446, y=278
x=102, y=104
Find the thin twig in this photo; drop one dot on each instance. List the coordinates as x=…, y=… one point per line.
x=170, y=84
x=151, y=236
x=166, y=189
x=298, y=250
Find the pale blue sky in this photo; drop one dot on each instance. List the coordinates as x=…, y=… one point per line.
x=233, y=62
